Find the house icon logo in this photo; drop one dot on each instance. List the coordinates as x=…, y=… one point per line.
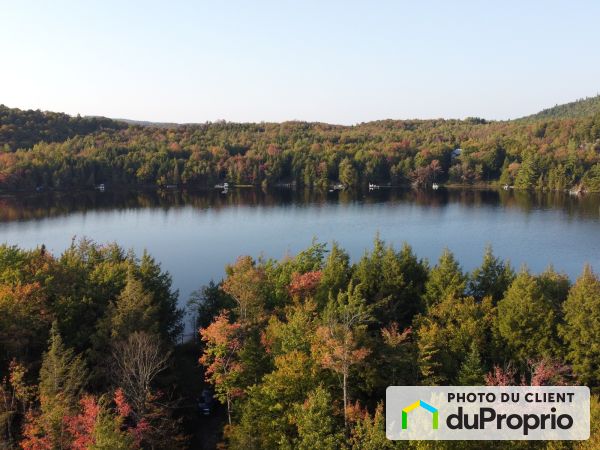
x=424, y=405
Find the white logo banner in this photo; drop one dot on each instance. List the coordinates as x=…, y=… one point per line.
x=487, y=413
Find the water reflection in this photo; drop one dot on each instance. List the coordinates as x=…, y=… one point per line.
x=40, y=206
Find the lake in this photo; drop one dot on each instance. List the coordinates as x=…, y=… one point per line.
x=194, y=235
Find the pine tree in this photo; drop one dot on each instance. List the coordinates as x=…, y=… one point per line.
x=335, y=274
x=505, y=177
x=471, y=371
x=134, y=310
x=430, y=357
x=528, y=173
x=527, y=321
x=63, y=374
x=369, y=270
x=492, y=278
x=348, y=173
x=555, y=287
x=108, y=434
x=581, y=329
x=446, y=279
x=62, y=378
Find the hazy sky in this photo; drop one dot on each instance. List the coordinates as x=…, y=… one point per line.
x=332, y=61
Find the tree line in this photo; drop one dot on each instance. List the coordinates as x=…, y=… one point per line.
x=52, y=151
x=299, y=351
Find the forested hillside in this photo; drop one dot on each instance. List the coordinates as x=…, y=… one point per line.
x=553, y=154
x=299, y=351
x=584, y=107
x=24, y=129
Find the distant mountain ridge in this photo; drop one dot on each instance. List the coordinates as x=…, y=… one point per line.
x=583, y=107
x=147, y=123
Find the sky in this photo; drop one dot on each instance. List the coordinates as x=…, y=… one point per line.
x=331, y=61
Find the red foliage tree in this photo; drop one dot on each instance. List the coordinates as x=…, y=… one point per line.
x=305, y=284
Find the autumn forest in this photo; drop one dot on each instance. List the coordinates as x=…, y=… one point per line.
x=97, y=350
x=555, y=150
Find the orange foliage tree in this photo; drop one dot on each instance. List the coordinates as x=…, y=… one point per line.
x=221, y=358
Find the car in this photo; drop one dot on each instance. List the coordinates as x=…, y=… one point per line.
x=206, y=402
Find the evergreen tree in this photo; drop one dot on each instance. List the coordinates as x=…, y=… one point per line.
x=108, y=434
x=369, y=270
x=471, y=371
x=555, y=287
x=446, y=279
x=492, y=278
x=159, y=283
x=348, y=173
x=431, y=357
x=63, y=374
x=505, y=177
x=62, y=377
x=528, y=173
x=581, y=329
x=335, y=274
x=526, y=320
x=135, y=310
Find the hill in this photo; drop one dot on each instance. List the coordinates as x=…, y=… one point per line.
x=146, y=123
x=75, y=152
x=584, y=107
x=25, y=128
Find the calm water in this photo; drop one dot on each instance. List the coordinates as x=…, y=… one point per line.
x=194, y=235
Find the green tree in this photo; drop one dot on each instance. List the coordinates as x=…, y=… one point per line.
x=449, y=330
x=108, y=434
x=245, y=283
x=335, y=274
x=446, y=279
x=348, y=173
x=176, y=173
x=62, y=378
x=526, y=320
x=315, y=422
x=392, y=281
x=471, y=371
x=369, y=432
x=581, y=328
x=267, y=415
x=134, y=310
x=492, y=278
x=528, y=173
x=555, y=287
x=337, y=345
x=431, y=357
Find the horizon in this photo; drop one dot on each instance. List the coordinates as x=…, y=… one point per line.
x=133, y=121
x=340, y=63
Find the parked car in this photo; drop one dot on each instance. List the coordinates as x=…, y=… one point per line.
x=207, y=402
